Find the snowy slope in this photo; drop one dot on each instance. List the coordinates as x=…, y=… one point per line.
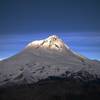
x=43, y=58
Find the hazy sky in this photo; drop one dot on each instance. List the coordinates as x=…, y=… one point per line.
x=77, y=22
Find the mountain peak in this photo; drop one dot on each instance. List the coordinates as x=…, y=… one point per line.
x=53, y=37
x=52, y=42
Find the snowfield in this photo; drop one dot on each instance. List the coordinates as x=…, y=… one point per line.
x=44, y=58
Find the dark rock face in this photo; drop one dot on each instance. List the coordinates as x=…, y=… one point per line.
x=53, y=88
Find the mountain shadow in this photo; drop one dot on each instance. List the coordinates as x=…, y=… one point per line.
x=53, y=88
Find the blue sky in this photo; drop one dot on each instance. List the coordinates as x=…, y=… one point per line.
x=77, y=22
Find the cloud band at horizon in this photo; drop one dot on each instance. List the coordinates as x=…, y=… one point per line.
x=84, y=43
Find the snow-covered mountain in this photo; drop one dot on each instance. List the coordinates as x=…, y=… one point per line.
x=45, y=58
